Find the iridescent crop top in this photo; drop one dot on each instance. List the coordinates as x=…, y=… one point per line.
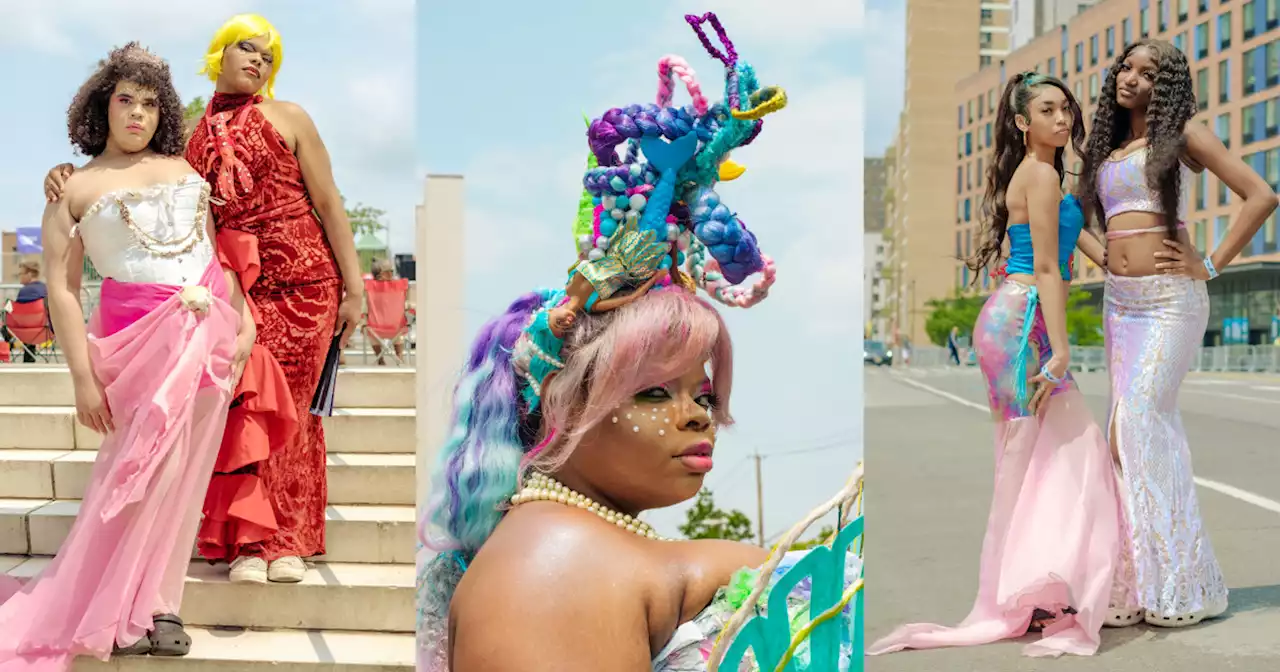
x=1022, y=258
x=1122, y=186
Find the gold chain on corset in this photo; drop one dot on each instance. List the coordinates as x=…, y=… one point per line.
x=167, y=248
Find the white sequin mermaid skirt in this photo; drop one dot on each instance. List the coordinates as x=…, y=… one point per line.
x=1154, y=326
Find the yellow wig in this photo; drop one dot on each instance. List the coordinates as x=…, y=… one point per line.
x=237, y=29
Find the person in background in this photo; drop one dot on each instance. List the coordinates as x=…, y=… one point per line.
x=384, y=270
x=32, y=290
x=953, y=345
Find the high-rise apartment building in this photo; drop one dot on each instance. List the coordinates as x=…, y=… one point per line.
x=943, y=44
x=1233, y=49
x=1032, y=18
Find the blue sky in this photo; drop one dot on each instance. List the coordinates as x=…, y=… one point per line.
x=349, y=64
x=886, y=46
x=503, y=87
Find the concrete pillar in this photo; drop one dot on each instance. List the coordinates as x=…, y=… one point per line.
x=440, y=294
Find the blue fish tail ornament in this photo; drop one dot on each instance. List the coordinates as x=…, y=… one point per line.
x=667, y=159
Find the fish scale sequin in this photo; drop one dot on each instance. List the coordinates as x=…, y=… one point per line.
x=1153, y=327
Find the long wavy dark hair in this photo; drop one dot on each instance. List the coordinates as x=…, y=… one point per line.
x=1173, y=103
x=1010, y=148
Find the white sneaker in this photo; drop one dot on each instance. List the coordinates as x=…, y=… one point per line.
x=289, y=569
x=248, y=569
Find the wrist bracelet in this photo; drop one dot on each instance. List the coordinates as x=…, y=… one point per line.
x=1048, y=375
x=1208, y=266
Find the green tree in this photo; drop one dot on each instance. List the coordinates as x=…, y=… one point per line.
x=957, y=311
x=1084, y=323
x=195, y=109
x=706, y=521
x=364, y=218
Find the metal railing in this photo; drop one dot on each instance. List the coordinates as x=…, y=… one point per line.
x=1215, y=359
x=359, y=350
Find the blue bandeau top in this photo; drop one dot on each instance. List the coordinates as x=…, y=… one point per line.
x=1070, y=223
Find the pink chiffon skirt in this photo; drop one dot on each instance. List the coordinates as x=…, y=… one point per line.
x=1053, y=532
x=166, y=371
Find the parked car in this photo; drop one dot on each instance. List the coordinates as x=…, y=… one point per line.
x=876, y=352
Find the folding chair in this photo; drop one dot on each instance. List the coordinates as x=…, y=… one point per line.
x=387, y=320
x=29, y=324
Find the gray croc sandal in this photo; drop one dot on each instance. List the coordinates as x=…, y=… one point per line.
x=139, y=648
x=169, y=638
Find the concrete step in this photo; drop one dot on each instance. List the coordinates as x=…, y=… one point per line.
x=358, y=386
x=330, y=597
x=354, y=534
x=349, y=430
x=222, y=650
x=354, y=478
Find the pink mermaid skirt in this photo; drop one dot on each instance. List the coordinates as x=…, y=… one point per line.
x=1053, y=532
x=166, y=371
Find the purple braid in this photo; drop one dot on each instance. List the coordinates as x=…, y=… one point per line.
x=634, y=122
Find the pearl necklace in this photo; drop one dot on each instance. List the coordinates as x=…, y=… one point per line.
x=541, y=487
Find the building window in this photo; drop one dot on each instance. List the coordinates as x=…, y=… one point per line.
x=967, y=210
x=960, y=116
x=1202, y=189
x=968, y=176
x=1144, y=21
x=1079, y=57
x=1201, y=226
x=1202, y=89
x=1224, y=31
x=1224, y=80
x=1093, y=50
x=1111, y=41
x=1273, y=14
x=960, y=147
x=987, y=16
x=1126, y=31
x=1224, y=195
x=1252, y=71
x=1273, y=168
x=1202, y=40
x=1271, y=118
x=968, y=242
x=1093, y=88
x=980, y=107
x=988, y=134
x=1075, y=89
x=1220, y=224
x=1053, y=66
x=1249, y=124
x=968, y=143
x=1222, y=127
x=1063, y=73
x=1180, y=41
x=1202, y=6
x=979, y=167
x=984, y=61
x=969, y=108
x=1273, y=62
x=960, y=181
x=1162, y=9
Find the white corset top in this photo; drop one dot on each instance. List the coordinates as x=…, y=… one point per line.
x=154, y=234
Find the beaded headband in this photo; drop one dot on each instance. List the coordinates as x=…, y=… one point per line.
x=650, y=217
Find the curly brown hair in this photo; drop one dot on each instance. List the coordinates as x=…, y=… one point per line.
x=87, y=116
x=1173, y=104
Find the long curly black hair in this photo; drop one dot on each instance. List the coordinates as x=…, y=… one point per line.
x=1173, y=104
x=1010, y=148
x=87, y=116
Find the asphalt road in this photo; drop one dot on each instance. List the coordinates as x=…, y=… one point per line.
x=929, y=458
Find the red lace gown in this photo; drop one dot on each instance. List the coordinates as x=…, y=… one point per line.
x=269, y=490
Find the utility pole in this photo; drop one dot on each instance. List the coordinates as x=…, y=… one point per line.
x=759, y=502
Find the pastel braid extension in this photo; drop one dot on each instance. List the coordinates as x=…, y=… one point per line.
x=670, y=67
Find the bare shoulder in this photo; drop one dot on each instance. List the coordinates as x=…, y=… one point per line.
x=1200, y=141
x=284, y=109
x=560, y=556
x=548, y=582
x=1041, y=175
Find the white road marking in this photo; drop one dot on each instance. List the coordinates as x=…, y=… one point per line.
x=1228, y=490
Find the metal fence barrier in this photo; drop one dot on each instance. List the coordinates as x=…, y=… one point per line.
x=1222, y=358
x=358, y=346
